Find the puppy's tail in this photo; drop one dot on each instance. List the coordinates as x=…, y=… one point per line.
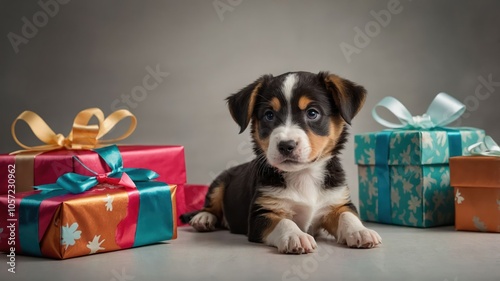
x=185, y=218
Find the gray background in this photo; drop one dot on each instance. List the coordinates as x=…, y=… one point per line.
x=91, y=52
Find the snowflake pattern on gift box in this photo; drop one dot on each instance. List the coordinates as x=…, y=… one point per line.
x=69, y=234
x=95, y=244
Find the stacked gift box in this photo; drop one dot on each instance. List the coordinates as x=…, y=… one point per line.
x=403, y=173
x=476, y=184
x=80, y=194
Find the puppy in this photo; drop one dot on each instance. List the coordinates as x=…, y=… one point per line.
x=296, y=186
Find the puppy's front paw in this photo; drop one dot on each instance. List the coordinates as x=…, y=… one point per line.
x=203, y=221
x=297, y=243
x=353, y=233
x=364, y=238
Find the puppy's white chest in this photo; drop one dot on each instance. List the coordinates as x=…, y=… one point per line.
x=305, y=198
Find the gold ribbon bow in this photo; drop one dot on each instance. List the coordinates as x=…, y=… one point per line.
x=82, y=136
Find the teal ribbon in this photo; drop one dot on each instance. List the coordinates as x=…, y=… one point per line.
x=154, y=212
x=382, y=171
x=487, y=147
x=443, y=110
x=76, y=183
x=155, y=219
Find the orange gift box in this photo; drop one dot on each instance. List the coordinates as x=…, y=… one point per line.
x=81, y=215
x=476, y=184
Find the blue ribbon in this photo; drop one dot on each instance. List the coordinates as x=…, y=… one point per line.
x=443, y=110
x=487, y=147
x=76, y=183
x=155, y=218
x=382, y=172
x=155, y=208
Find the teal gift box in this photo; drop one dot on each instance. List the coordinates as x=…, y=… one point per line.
x=403, y=173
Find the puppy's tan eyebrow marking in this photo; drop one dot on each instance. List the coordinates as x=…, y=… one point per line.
x=304, y=102
x=276, y=104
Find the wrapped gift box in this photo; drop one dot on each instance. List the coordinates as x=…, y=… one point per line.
x=39, y=168
x=80, y=214
x=62, y=225
x=476, y=184
x=404, y=174
x=195, y=196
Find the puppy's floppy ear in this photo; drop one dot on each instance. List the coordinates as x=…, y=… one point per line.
x=348, y=96
x=241, y=104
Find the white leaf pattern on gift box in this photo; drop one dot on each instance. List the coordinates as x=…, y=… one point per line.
x=429, y=180
x=372, y=189
x=413, y=220
x=405, y=155
x=396, y=177
x=427, y=140
x=371, y=155
x=363, y=175
x=401, y=217
x=70, y=234
x=414, y=203
x=445, y=179
x=95, y=245
x=466, y=135
x=362, y=160
x=429, y=160
x=366, y=138
x=419, y=189
x=459, y=198
x=396, y=139
x=407, y=186
x=415, y=140
x=395, y=198
x=441, y=137
x=480, y=225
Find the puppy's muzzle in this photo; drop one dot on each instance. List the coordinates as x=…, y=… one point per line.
x=286, y=148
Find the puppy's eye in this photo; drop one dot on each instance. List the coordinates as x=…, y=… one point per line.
x=269, y=115
x=312, y=114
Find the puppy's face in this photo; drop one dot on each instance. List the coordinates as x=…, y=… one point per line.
x=297, y=118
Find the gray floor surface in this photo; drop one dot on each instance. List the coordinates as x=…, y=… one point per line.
x=440, y=254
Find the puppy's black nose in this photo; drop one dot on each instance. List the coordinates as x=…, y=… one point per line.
x=286, y=147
